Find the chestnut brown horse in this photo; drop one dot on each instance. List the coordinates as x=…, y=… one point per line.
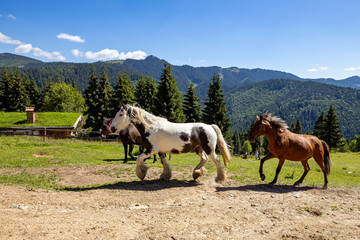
x=284, y=144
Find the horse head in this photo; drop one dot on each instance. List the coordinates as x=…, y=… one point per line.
x=121, y=120
x=257, y=128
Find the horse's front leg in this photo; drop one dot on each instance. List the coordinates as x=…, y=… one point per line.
x=267, y=157
x=141, y=168
x=126, y=152
x=278, y=169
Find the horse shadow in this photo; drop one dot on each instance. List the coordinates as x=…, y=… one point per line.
x=267, y=188
x=148, y=185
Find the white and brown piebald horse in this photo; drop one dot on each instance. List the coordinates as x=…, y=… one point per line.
x=161, y=136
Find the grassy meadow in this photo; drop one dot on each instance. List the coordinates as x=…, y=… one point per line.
x=22, y=152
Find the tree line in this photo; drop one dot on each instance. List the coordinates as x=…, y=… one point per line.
x=162, y=99
x=101, y=100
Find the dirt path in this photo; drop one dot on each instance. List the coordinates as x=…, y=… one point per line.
x=176, y=209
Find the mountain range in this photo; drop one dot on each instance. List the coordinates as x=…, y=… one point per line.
x=248, y=91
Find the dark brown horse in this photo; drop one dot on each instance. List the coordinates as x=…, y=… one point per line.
x=284, y=144
x=129, y=136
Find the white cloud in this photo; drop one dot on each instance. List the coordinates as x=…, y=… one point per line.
x=26, y=48
x=137, y=55
x=8, y=40
x=317, y=69
x=77, y=53
x=352, y=69
x=11, y=16
x=70, y=37
x=110, y=54
x=55, y=55
x=23, y=48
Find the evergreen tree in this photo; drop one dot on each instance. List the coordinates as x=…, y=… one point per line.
x=320, y=126
x=6, y=85
x=19, y=97
x=34, y=93
x=191, y=106
x=123, y=92
x=215, y=111
x=91, y=94
x=333, y=136
x=296, y=127
x=237, y=143
x=145, y=93
x=44, y=91
x=168, y=96
x=105, y=94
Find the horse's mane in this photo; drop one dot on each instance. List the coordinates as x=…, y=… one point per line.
x=275, y=121
x=139, y=115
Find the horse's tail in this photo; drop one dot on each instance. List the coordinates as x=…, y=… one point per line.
x=326, y=157
x=222, y=145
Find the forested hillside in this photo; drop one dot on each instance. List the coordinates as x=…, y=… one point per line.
x=291, y=100
x=151, y=66
x=248, y=92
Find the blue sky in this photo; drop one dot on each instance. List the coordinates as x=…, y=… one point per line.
x=309, y=38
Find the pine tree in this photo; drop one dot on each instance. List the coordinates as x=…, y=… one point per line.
x=296, y=127
x=91, y=94
x=191, y=106
x=105, y=94
x=34, y=93
x=168, y=97
x=145, y=93
x=333, y=136
x=44, y=91
x=123, y=92
x=320, y=126
x=19, y=97
x=237, y=143
x=215, y=111
x=5, y=89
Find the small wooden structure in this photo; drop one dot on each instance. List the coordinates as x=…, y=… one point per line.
x=30, y=114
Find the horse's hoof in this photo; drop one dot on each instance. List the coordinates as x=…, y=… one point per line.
x=219, y=179
x=196, y=174
x=296, y=183
x=262, y=176
x=272, y=183
x=325, y=187
x=125, y=161
x=165, y=177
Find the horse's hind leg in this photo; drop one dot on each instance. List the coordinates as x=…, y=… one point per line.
x=306, y=170
x=220, y=171
x=319, y=160
x=166, y=175
x=278, y=169
x=200, y=170
x=131, y=147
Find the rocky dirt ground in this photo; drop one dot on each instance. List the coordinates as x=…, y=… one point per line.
x=176, y=209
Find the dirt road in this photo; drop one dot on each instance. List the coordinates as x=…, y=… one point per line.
x=175, y=209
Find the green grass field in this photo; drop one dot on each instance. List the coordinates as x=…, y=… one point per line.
x=20, y=153
x=43, y=119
